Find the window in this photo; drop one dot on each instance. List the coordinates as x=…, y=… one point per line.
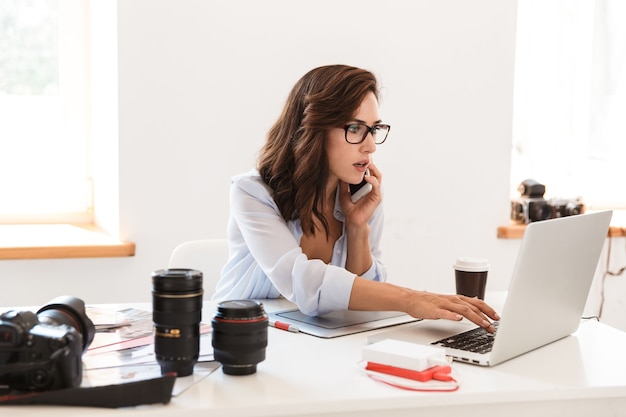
x=569, y=129
x=45, y=157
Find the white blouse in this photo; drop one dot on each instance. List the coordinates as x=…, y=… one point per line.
x=266, y=260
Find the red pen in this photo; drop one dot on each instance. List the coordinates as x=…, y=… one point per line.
x=284, y=326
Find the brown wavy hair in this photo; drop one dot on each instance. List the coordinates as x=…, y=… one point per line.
x=293, y=161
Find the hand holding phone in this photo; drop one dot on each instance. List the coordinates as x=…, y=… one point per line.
x=358, y=191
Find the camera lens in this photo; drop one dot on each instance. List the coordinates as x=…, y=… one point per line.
x=176, y=313
x=539, y=210
x=69, y=311
x=572, y=209
x=239, y=336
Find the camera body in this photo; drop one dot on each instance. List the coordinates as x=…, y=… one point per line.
x=532, y=206
x=40, y=351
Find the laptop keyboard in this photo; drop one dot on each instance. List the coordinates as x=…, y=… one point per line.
x=477, y=340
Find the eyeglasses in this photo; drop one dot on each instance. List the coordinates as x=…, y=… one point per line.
x=357, y=132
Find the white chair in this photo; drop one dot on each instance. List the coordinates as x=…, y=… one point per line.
x=206, y=255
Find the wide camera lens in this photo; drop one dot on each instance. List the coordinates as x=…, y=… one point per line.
x=176, y=313
x=239, y=336
x=69, y=311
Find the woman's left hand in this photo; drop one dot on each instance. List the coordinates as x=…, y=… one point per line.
x=359, y=213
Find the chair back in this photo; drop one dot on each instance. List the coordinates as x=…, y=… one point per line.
x=205, y=255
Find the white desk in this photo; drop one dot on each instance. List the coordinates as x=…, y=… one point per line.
x=581, y=375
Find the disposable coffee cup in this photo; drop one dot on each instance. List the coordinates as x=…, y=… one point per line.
x=471, y=276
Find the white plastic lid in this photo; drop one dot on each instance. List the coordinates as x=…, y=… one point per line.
x=471, y=264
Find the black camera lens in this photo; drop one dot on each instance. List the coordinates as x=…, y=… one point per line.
x=176, y=313
x=69, y=311
x=539, y=209
x=239, y=336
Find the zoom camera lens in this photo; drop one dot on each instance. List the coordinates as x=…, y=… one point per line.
x=239, y=336
x=176, y=313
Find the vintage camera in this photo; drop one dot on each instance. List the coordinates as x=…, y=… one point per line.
x=562, y=208
x=532, y=206
x=43, y=351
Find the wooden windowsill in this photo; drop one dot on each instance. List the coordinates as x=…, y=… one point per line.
x=617, y=228
x=51, y=241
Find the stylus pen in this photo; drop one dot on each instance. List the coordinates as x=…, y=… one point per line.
x=284, y=326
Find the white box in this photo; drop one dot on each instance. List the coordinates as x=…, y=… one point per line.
x=404, y=355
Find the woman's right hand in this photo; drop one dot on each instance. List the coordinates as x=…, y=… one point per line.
x=427, y=305
x=384, y=296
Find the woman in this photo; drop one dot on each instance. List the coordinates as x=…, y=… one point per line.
x=293, y=229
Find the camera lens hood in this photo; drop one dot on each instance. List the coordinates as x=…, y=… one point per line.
x=176, y=280
x=70, y=311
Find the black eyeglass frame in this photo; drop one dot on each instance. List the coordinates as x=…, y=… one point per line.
x=369, y=129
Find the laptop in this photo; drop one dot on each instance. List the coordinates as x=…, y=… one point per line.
x=551, y=279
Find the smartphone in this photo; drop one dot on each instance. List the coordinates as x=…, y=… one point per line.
x=357, y=191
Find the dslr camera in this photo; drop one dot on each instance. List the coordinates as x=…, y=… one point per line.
x=43, y=351
x=532, y=206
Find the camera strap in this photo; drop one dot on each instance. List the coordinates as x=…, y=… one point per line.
x=150, y=391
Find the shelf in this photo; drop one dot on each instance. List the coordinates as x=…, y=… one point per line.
x=516, y=230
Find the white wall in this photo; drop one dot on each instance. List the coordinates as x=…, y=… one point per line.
x=200, y=82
